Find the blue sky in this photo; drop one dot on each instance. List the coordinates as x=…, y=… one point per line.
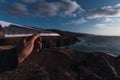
x=86, y=16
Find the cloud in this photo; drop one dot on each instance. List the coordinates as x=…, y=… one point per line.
x=62, y=8
x=17, y=9
x=103, y=25
x=108, y=26
x=106, y=11
x=38, y=8
x=107, y=20
x=47, y=9
x=111, y=20
x=78, y=21
x=108, y=23
x=109, y=17
x=70, y=7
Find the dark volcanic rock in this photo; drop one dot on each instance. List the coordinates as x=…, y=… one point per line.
x=66, y=39
x=66, y=64
x=50, y=42
x=68, y=33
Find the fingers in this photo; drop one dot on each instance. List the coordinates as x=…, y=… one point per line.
x=34, y=37
x=36, y=42
x=37, y=48
x=40, y=45
x=37, y=45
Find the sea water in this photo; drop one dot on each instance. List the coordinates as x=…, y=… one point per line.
x=106, y=44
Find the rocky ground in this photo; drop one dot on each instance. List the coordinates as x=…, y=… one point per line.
x=62, y=63
x=66, y=64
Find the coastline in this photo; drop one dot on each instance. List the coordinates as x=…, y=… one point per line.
x=54, y=62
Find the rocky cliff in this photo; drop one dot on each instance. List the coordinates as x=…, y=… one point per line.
x=66, y=64
x=66, y=39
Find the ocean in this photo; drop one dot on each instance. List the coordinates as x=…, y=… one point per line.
x=107, y=44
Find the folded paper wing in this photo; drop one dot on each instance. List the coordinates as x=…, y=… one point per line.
x=18, y=31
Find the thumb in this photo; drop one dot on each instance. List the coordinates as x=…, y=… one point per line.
x=33, y=38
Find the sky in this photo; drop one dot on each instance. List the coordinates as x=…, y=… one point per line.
x=100, y=17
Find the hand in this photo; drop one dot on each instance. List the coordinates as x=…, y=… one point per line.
x=26, y=47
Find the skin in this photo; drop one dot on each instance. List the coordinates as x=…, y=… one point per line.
x=27, y=46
